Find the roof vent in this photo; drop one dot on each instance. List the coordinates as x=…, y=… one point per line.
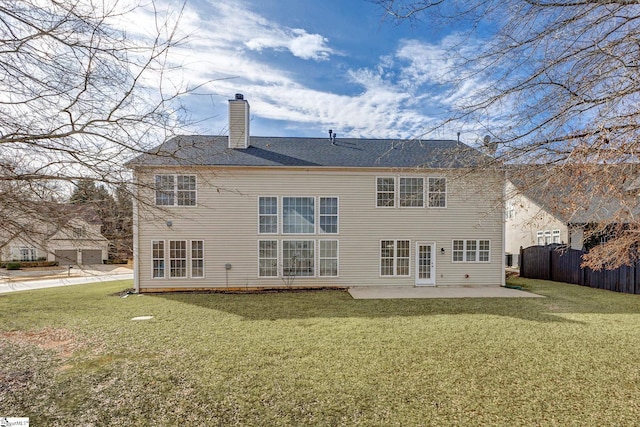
x=239, y=96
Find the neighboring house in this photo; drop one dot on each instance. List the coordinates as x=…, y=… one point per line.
x=570, y=205
x=71, y=237
x=244, y=212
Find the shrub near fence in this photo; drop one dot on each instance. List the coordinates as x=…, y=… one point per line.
x=561, y=264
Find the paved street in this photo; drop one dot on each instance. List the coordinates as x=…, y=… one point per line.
x=20, y=280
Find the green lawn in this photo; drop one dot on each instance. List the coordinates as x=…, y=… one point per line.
x=72, y=356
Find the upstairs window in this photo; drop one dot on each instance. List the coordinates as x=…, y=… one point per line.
x=412, y=192
x=385, y=192
x=298, y=215
x=437, y=192
x=268, y=215
x=329, y=215
x=175, y=190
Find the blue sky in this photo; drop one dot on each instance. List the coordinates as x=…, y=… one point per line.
x=307, y=66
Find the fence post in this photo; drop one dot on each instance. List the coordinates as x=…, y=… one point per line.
x=550, y=271
x=521, y=262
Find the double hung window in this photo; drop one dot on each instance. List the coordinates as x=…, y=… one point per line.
x=197, y=258
x=411, y=192
x=157, y=257
x=268, y=258
x=471, y=250
x=394, y=257
x=329, y=215
x=437, y=192
x=385, y=192
x=328, y=258
x=175, y=190
x=268, y=215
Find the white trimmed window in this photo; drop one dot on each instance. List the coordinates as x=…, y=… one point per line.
x=27, y=254
x=268, y=215
x=268, y=258
x=385, y=192
x=510, y=210
x=411, y=192
x=546, y=237
x=394, y=257
x=186, y=190
x=175, y=190
x=298, y=258
x=197, y=258
x=157, y=258
x=298, y=215
x=437, y=192
x=328, y=258
x=177, y=258
x=329, y=215
x=471, y=250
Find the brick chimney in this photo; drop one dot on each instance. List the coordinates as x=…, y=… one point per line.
x=238, y=122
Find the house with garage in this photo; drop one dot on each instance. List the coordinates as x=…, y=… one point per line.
x=247, y=212
x=573, y=205
x=68, y=234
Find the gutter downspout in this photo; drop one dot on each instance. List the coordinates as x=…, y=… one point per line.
x=504, y=226
x=136, y=234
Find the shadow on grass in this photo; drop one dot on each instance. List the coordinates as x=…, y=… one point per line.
x=561, y=299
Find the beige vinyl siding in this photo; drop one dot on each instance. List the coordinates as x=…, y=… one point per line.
x=226, y=218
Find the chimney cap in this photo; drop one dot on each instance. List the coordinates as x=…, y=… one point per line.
x=239, y=96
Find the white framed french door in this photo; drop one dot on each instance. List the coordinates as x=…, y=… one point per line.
x=425, y=264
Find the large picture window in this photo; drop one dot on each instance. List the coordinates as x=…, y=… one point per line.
x=175, y=190
x=471, y=250
x=268, y=215
x=328, y=258
x=298, y=215
x=385, y=192
x=298, y=258
x=394, y=257
x=329, y=215
x=411, y=192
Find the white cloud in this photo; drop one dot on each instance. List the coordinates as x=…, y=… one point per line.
x=402, y=96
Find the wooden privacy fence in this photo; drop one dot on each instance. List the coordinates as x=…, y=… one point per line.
x=561, y=264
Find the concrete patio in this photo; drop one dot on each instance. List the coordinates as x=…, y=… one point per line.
x=408, y=292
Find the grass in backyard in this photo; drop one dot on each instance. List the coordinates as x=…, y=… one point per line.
x=73, y=356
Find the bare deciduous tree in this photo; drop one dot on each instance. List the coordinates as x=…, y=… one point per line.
x=78, y=96
x=556, y=83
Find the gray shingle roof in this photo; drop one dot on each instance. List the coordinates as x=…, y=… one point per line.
x=199, y=150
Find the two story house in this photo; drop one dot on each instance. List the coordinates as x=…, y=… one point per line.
x=572, y=205
x=246, y=212
x=68, y=234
